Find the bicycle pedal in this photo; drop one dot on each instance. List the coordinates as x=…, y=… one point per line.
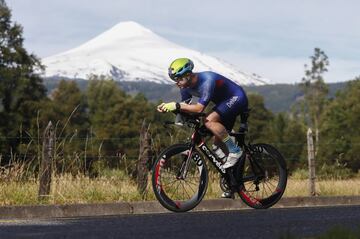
x=228, y=194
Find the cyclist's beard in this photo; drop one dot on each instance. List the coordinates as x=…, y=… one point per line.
x=186, y=84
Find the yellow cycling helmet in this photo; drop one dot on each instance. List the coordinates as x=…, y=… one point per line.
x=180, y=67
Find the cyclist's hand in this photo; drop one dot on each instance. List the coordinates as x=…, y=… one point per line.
x=167, y=107
x=159, y=107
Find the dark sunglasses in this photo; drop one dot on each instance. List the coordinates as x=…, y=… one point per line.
x=185, y=77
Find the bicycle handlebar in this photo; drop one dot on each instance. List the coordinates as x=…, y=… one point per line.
x=196, y=115
x=187, y=118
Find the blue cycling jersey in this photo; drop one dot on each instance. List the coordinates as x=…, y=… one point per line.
x=230, y=99
x=213, y=87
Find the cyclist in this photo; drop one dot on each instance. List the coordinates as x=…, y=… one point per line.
x=229, y=98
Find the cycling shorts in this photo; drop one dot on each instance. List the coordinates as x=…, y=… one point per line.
x=230, y=108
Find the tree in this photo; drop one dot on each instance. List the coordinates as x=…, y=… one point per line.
x=70, y=108
x=289, y=137
x=259, y=120
x=286, y=134
x=112, y=127
x=315, y=90
x=116, y=119
x=340, y=129
x=21, y=88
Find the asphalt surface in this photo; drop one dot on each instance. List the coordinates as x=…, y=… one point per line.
x=269, y=223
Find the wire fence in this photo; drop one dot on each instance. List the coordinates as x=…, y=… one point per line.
x=130, y=139
x=120, y=146
x=4, y=139
x=115, y=150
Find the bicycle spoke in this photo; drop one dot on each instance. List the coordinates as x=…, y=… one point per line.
x=192, y=189
x=272, y=186
x=168, y=188
x=183, y=191
x=179, y=189
x=263, y=191
x=250, y=186
x=269, y=181
x=196, y=184
x=269, y=188
x=182, y=184
x=168, y=183
x=175, y=191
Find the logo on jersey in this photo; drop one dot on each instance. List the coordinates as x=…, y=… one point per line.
x=232, y=101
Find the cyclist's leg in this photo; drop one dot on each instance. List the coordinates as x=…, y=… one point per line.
x=229, y=109
x=219, y=142
x=228, y=116
x=214, y=124
x=228, y=123
x=220, y=131
x=219, y=125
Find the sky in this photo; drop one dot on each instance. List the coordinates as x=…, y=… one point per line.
x=273, y=39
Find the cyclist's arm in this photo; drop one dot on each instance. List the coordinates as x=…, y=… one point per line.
x=197, y=108
x=206, y=92
x=185, y=96
x=185, y=105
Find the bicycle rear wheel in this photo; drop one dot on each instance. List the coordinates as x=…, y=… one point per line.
x=175, y=190
x=264, y=176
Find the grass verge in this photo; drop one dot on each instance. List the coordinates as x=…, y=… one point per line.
x=115, y=185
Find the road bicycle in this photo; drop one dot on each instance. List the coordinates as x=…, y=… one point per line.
x=180, y=175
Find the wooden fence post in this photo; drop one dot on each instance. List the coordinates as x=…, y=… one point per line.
x=311, y=160
x=145, y=156
x=46, y=162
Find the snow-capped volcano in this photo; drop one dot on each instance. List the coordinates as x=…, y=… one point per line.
x=131, y=52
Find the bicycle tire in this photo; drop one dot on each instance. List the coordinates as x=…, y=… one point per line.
x=165, y=179
x=264, y=191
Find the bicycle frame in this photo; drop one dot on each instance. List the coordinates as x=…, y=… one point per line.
x=198, y=142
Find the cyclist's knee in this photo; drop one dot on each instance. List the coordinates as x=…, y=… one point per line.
x=208, y=123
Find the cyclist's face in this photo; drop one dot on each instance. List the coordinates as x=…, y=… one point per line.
x=183, y=82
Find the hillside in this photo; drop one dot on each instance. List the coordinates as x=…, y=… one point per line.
x=278, y=98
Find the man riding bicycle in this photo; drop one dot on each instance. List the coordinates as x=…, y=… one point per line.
x=229, y=98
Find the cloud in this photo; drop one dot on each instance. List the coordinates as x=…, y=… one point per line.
x=290, y=70
x=271, y=38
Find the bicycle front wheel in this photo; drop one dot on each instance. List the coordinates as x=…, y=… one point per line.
x=263, y=175
x=180, y=178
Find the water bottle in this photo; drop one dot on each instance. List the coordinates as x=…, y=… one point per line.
x=219, y=153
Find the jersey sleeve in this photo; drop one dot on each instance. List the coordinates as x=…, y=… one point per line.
x=185, y=96
x=207, y=91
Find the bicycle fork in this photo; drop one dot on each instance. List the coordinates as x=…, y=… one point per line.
x=185, y=165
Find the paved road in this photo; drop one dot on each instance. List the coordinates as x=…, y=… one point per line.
x=270, y=223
